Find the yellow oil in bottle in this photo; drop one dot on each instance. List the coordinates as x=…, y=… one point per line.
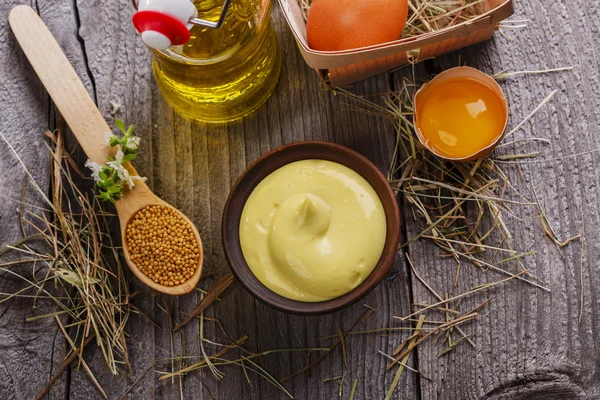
x=226, y=73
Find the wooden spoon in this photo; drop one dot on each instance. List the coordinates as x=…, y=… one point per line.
x=88, y=126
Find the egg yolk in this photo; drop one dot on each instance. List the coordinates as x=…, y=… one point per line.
x=461, y=118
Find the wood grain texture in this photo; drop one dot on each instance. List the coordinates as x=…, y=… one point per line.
x=529, y=344
x=31, y=352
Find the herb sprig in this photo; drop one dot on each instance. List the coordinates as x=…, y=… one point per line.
x=111, y=177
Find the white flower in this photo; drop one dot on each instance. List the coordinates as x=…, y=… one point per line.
x=133, y=143
x=139, y=178
x=127, y=178
x=95, y=167
x=116, y=106
x=123, y=174
x=117, y=166
x=118, y=160
x=107, y=137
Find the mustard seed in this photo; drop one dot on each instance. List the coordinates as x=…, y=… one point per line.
x=162, y=245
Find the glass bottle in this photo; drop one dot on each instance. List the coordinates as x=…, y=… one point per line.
x=221, y=74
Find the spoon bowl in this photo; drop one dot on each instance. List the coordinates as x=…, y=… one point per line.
x=88, y=125
x=134, y=200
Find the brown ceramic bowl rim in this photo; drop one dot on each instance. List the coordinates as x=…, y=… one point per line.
x=275, y=159
x=480, y=77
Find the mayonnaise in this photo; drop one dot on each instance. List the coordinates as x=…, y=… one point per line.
x=313, y=230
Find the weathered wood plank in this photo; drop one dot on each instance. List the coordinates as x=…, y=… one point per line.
x=118, y=78
x=530, y=344
x=32, y=351
x=63, y=21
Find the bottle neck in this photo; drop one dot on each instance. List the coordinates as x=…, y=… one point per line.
x=246, y=23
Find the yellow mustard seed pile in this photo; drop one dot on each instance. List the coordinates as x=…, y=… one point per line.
x=162, y=245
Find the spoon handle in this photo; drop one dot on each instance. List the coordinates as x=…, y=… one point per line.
x=61, y=81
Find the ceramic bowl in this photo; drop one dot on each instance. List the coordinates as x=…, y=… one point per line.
x=266, y=165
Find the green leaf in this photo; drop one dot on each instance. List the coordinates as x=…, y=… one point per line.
x=111, y=186
x=69, y=276
x=113, y=141
x=120, y=125
x=115, y=189
x=129, y=130
x=103, y=196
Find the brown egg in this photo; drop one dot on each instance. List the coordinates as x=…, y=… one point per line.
x=350, y=24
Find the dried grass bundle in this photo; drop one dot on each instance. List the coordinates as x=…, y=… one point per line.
x=425, y=16
x=77, y=267
x=463, y=206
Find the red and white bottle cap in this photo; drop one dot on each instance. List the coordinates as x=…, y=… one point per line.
x=164, y=23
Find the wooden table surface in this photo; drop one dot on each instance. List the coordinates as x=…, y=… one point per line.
x=528, y=344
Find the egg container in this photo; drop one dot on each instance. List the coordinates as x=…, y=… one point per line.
x=345, y=67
